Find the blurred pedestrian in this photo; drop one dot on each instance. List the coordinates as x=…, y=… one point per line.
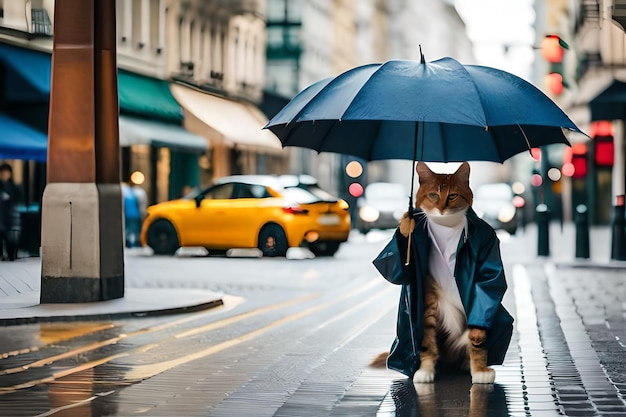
x=10, y=221
x=14, y=190
x=132, y=216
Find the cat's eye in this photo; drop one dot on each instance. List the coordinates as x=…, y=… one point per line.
x=452, y=196
x=433, y=196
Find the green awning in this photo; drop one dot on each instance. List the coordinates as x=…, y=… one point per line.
x=147, y=97
x=134, y=131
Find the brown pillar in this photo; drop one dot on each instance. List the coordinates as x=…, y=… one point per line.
x=82, y=230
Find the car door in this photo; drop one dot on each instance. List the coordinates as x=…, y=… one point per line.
x=246, y=214
x=205, y=225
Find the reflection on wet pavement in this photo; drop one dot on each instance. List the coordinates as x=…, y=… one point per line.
x=451, y=395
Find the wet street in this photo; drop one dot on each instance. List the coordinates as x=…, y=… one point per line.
x=294, y=338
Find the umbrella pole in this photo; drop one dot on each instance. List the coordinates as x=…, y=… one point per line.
x=411, y=209
x=410, y=214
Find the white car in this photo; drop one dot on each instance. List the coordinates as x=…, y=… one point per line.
x=494, y=204
x=381, y=207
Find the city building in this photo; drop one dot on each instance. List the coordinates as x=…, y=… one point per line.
x=587, y=79
x=190, y=76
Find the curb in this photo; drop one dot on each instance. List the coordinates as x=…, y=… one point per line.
x=136, y=303
x=585, y=264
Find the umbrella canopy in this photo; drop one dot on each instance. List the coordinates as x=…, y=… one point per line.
x=440, y=111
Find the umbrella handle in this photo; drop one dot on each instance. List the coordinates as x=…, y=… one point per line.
x=410, y=212
x=408, y=249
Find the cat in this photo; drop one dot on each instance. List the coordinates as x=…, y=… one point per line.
x=443, y=201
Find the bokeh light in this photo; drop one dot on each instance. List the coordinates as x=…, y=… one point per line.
x=354, y=169
x=518, y=187
x=355, y=189
x=554, y=174
x=137, y=178
x=568, y=169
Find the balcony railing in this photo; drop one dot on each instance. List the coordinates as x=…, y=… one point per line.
x=589, y=12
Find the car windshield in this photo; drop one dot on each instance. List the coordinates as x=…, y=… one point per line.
x=385, y=191
x=319, y=193
x=301, y=195
x=494, y=192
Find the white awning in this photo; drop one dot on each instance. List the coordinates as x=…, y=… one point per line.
x=134, y=131
x=239, y=124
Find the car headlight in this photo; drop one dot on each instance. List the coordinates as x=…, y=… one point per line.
x=368, y=214
x=506, y=214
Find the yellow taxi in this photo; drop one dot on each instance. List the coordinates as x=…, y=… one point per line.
x=271, y=213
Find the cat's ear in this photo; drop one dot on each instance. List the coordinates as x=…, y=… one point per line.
x=463, y=172
x=423, y=172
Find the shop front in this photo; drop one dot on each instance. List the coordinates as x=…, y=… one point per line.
x=234, y=129
x=155, y=148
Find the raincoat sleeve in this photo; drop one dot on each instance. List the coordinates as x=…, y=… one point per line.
x=489, y=284
x=390, y=261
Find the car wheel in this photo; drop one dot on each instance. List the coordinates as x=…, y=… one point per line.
x=272, y=240
x=324, y=248
x=162, y=237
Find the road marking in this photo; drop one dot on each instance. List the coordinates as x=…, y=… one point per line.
x=74, y=405
x=216, y=325
x=170, y=364
x=93, y=346
x=142, y=372
x=70, y=334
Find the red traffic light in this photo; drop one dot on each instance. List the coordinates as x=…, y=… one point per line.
x=604, y=151
x=553, y=49
x=554, y=83
x=355, y=189
x=576, y=161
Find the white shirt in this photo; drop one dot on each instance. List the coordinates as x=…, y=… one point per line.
x=442, y=257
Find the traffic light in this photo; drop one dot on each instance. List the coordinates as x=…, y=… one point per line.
x=575, y=164
x=603, y=146
x=553, y=49
x=354, y=171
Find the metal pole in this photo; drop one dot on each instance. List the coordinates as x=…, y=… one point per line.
x=543, y=230
x=618, y=222
x=582, y=232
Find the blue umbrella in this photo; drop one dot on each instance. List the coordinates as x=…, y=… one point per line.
x=440, y=111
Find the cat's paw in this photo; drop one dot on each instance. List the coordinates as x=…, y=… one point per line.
x=477, y=336
x=424, y=390
x=487, y=376
x=406, y=224
x=423, y=376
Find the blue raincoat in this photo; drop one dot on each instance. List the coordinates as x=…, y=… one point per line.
x=479, y=275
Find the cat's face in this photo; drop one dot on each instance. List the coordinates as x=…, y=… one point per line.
x=443, y=194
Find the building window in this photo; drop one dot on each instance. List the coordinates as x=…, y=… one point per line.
x=41, y=23
x=137, y=22
x=276, y=10
x=155, y=22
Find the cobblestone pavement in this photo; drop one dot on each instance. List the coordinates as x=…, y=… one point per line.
x=574, y=311
x=567, y=357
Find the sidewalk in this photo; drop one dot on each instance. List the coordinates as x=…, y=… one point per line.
x=20, y=283
x=571, y=318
